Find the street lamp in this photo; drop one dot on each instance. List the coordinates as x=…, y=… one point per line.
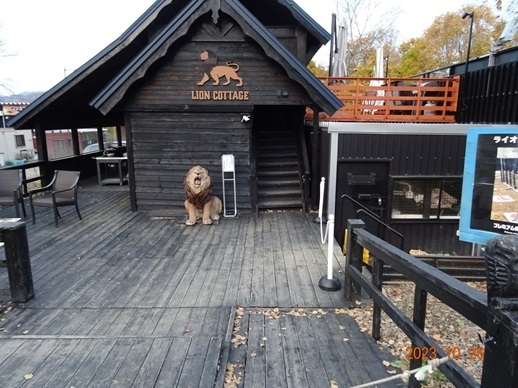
x=464, y=81
x=464, y=16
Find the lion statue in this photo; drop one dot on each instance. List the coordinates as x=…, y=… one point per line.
x=200, y=202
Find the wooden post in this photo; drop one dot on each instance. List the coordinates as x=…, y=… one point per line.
x=354, y=258
x=377, y=281
x=18, y=261
x=501, y=345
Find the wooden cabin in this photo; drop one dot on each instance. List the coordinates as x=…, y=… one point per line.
x=191, y=81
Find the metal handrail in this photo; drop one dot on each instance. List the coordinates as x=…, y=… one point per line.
x=374, y=217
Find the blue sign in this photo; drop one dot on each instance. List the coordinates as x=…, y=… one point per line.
x=489, y=205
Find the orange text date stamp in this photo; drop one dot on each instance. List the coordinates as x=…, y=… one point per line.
x=473, y=353
x=426, y=353
x=423, y=353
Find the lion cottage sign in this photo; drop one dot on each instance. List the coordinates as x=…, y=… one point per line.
x=213, y=70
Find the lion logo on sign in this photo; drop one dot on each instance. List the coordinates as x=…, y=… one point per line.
x=200, y=202
x=210, y=67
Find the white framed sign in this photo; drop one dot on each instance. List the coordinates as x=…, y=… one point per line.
x=227, y=162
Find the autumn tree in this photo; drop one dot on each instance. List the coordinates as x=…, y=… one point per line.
x=446, y=40
x=317, y=70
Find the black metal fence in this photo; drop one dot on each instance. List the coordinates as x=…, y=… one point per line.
x=489, y=95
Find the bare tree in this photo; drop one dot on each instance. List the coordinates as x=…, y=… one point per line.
x=4, y=84
x=368, y=28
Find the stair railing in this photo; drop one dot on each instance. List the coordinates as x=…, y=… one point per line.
x=305, y=177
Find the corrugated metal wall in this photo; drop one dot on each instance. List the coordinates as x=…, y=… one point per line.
x=410, y=154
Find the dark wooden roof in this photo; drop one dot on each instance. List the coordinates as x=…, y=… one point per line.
x=87, y=96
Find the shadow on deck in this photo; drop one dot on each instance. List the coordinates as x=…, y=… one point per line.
x=132, y=299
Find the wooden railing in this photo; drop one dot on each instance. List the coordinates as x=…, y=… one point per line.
x=432, y=100
x=467, y=301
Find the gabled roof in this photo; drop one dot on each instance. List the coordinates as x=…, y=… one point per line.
x=76, y=100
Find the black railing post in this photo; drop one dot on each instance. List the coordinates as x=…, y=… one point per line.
x=14, y=236
x=353, y=257
x=377, y=281
x=501, y=344
x=419, y=317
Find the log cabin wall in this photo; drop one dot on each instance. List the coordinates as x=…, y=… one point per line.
x=179, y=118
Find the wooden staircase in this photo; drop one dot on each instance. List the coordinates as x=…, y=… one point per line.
x=278, y=171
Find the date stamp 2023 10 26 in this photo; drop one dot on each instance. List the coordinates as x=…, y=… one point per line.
x=426, y=353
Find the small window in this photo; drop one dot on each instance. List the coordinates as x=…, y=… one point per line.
x=426, y=198
x=20, y=140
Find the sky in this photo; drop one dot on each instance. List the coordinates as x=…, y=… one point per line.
x=48, y=39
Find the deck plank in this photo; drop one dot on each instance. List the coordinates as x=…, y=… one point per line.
x=104, y=375
x=150, y=368
x=66, y=370
x=52, y=363
x=276, y=363
x=256, y=353
x=173, y=363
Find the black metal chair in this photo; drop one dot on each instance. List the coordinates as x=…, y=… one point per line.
x=62, y=191
x=11, y=190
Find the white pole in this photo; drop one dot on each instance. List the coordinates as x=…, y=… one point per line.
x=331, y=184
x=329, y=283
x=330, y=224
x=320, y=210
x=321, y=200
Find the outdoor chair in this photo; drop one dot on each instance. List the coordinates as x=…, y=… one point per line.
x=11, y=191
x=62, y=191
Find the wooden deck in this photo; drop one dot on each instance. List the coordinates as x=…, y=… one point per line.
x=133, y=299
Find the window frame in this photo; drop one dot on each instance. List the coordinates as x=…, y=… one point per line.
x=19, y=140
x=426, y=214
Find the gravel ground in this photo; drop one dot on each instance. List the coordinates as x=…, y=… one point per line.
x=448, y=328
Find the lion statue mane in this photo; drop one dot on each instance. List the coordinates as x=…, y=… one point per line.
x=200, y=202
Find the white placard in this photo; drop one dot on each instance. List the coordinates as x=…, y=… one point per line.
x=227, y=162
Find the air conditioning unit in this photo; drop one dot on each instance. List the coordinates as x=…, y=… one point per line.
x=27, y=155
